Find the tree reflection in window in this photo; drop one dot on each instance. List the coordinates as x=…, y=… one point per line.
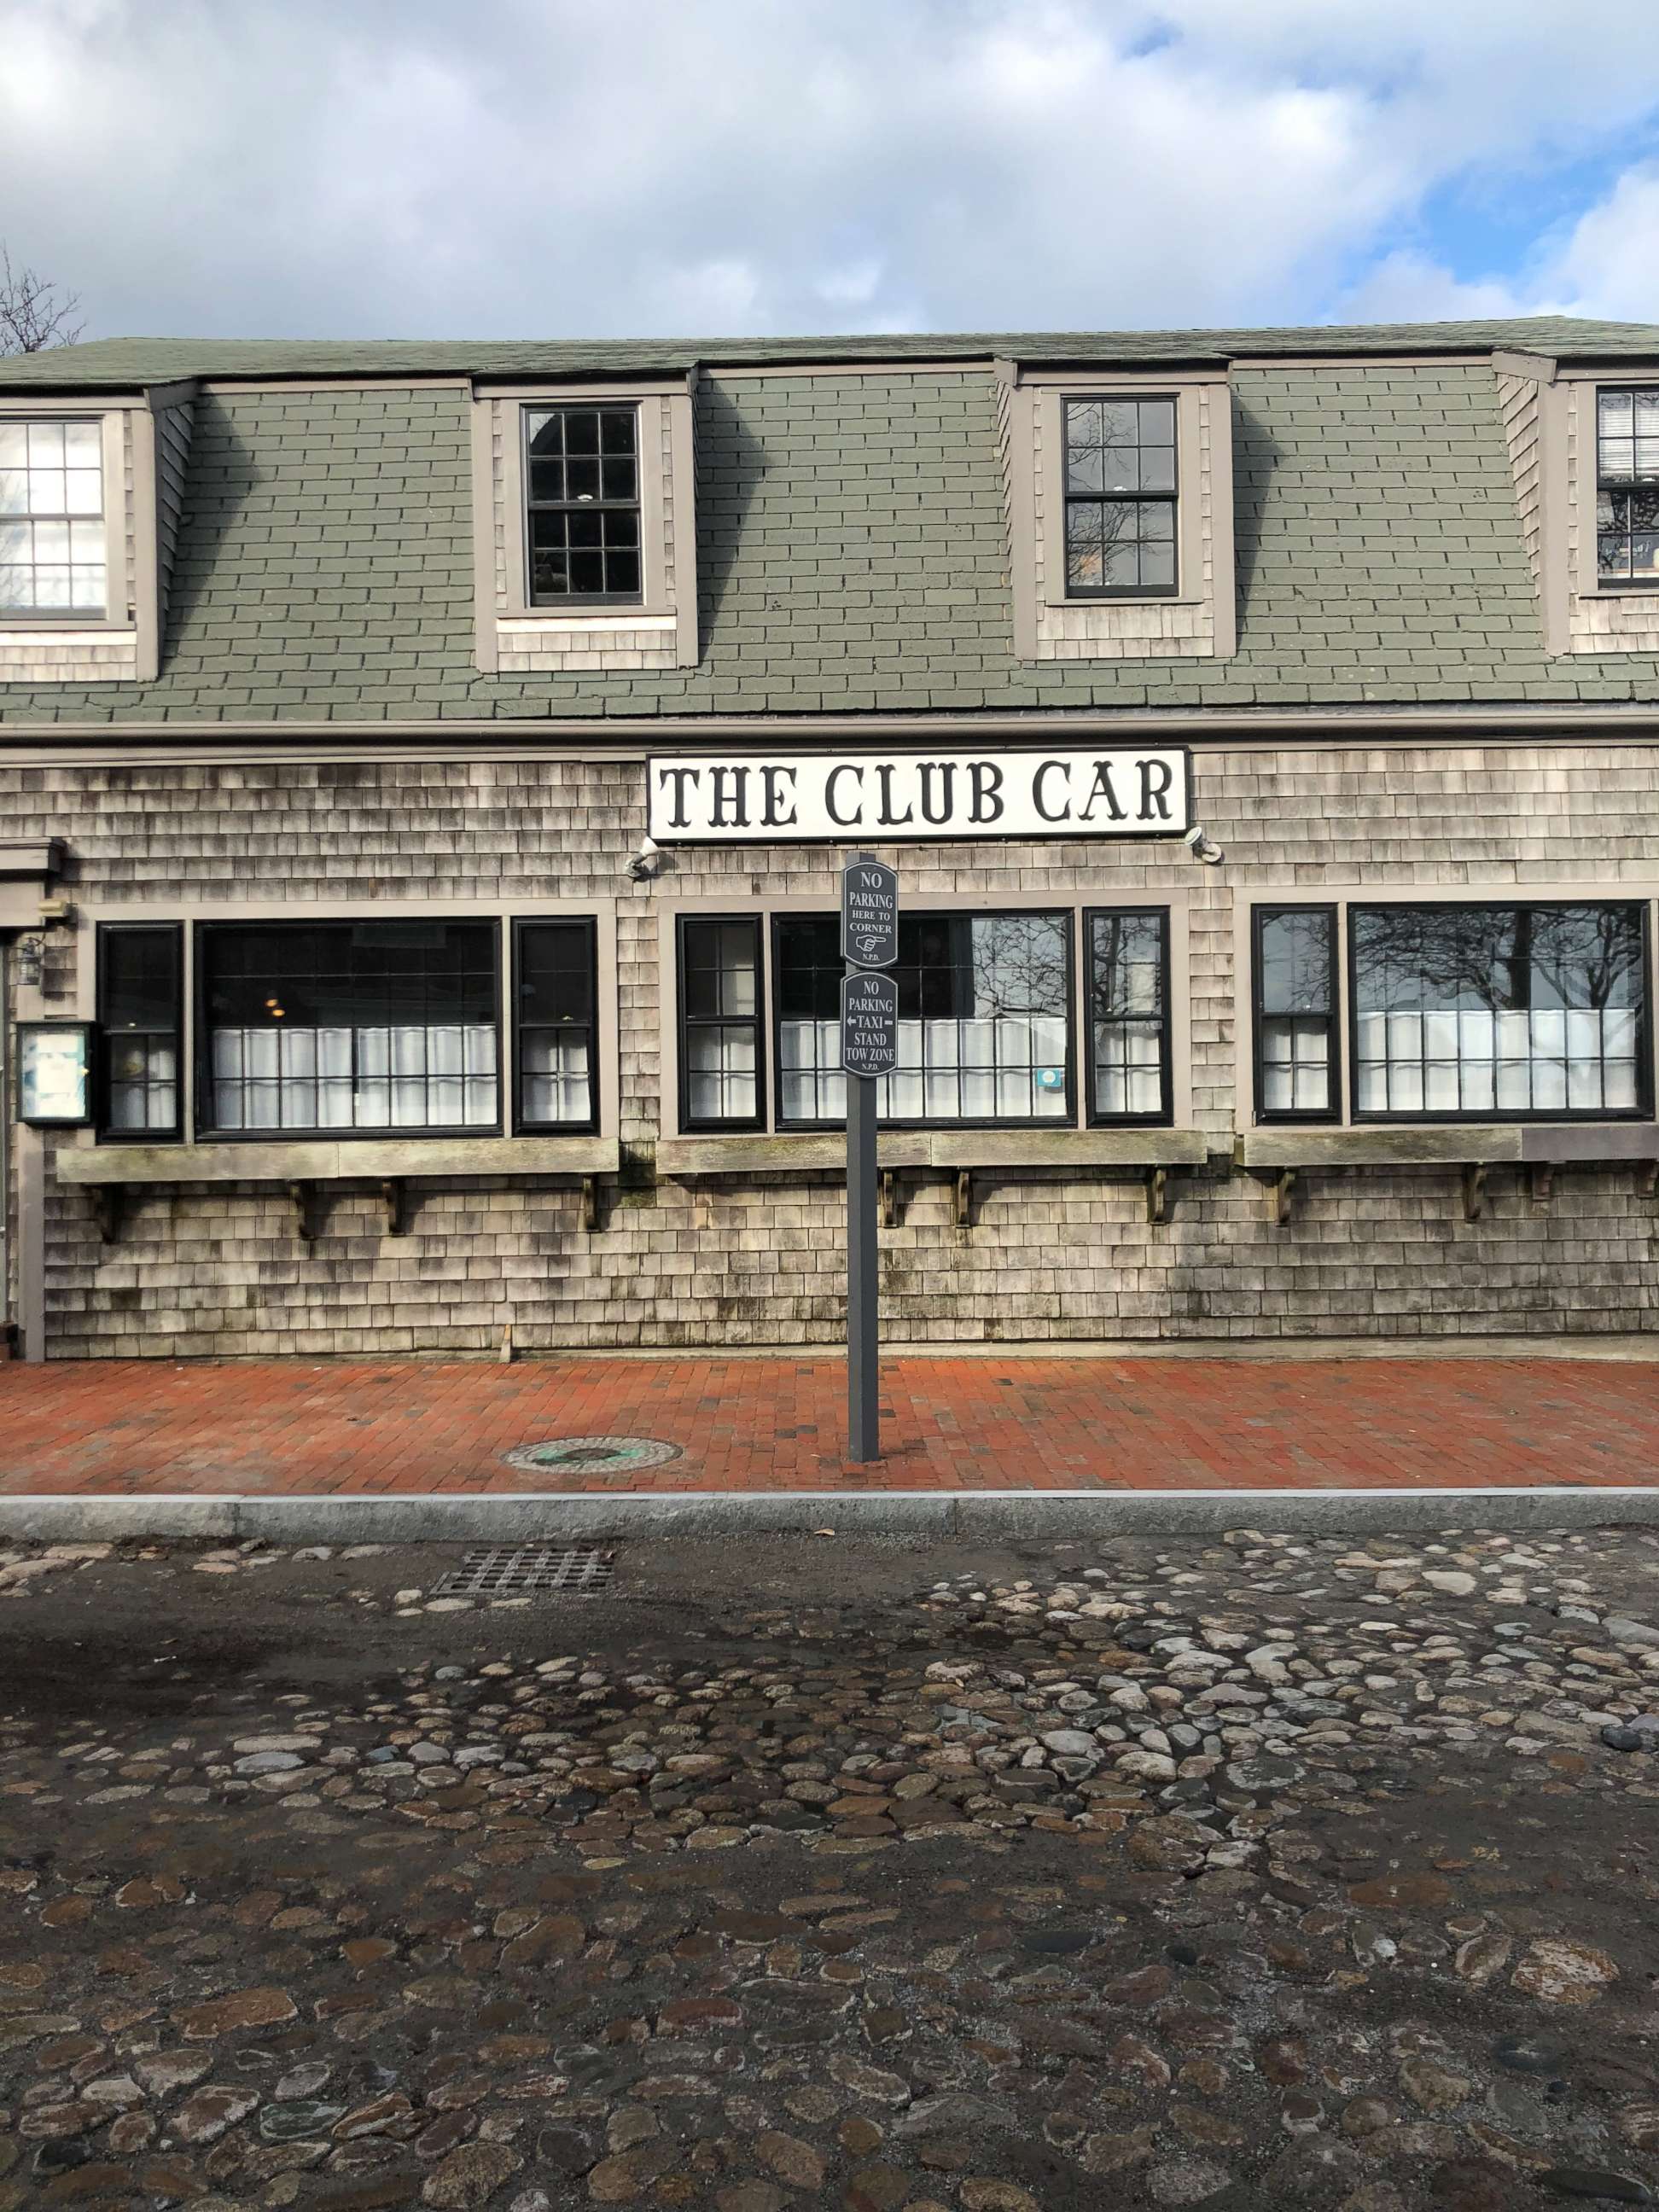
x=984, y=1033
x=1477, y=1010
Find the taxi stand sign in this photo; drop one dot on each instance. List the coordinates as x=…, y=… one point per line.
x=869, y=1048
x=869, y=1024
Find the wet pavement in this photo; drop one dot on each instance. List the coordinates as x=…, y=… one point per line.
x=1255, y=1872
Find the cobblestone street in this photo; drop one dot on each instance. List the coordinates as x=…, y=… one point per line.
x=1258, y=1872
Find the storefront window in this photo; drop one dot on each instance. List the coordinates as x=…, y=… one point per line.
x=1296, y=1013
x=554, y=967
x=1483, y=1009
x=365, y=1025
x=984, y=1031
x=1128, y=1016
x=719, y=1024
x=139, y=998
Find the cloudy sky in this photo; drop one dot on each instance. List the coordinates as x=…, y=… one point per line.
x=540, y=168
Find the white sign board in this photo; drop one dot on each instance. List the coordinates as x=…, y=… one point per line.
x=790, y=797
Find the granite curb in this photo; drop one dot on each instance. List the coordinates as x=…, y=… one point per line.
x=955, y=1517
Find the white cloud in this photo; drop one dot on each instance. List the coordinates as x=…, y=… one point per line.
x=1607, y=266
x=542, y=167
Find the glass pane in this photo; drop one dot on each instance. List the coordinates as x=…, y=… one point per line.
x=1086, y=547
x=810, y=969
x=555, y=979
x=1498, y=1009
x=1296, y=956
x=1156, y=566
x=140, y=978
x=373, y=1023
x=1126, y=964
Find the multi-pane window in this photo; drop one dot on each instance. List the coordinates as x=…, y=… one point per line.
x=554, y=972
x=983, y=1027
x=140, y=996
x=1627, y=484
x=365, y=1025
x=52, y=518
x=582, y=492
x=1120, y=498
x=720, y=1023
x=1295, y=1012
x=1489, y=1009
x=1128, y=1004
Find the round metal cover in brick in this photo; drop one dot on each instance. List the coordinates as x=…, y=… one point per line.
x=592, y=1454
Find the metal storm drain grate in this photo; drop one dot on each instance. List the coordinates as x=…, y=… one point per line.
x=529, y=1570
x=592, y=1454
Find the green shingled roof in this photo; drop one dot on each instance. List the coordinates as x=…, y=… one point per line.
x=111, y=363
x=852, y=547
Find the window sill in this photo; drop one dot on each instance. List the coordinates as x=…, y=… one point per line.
x=948, y=1149
x=310, y=1159
x=1471, y=1143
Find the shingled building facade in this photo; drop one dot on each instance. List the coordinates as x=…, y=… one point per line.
x=426, y=772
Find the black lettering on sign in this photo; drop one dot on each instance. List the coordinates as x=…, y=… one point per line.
x=886, y=817
x=679, y=777
x=843, y=821
x=772, y=798
x=1155, y=781
x=1099, y=789
x=730, y=810
x=1054, y=767
x=985, y=778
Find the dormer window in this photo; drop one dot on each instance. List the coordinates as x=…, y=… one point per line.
x=582, y=497
x=1120, y=498
x=52, y=542
x=1627, y=484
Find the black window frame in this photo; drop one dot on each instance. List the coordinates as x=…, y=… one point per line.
x=589, y=927
x=694, y=1125
x=552, y=602
x=1055, y=1122
x=205, y=1124
x=1085, y=595
x=1622, y=486
x=1477, y=1116
x=1164, y=1118
x=1294, y=1116
x=105, y=1131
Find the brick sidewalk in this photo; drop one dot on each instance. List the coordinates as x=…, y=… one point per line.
x=286, y=1427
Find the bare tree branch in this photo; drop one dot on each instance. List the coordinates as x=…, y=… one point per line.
x=33, y=312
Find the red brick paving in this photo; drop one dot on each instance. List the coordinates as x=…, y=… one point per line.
x=275, y=1427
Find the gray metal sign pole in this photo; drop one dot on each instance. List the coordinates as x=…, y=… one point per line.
x=863, y=1275
x=869, y=1002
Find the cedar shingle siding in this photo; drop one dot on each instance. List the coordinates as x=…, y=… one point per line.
x=853, y=555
